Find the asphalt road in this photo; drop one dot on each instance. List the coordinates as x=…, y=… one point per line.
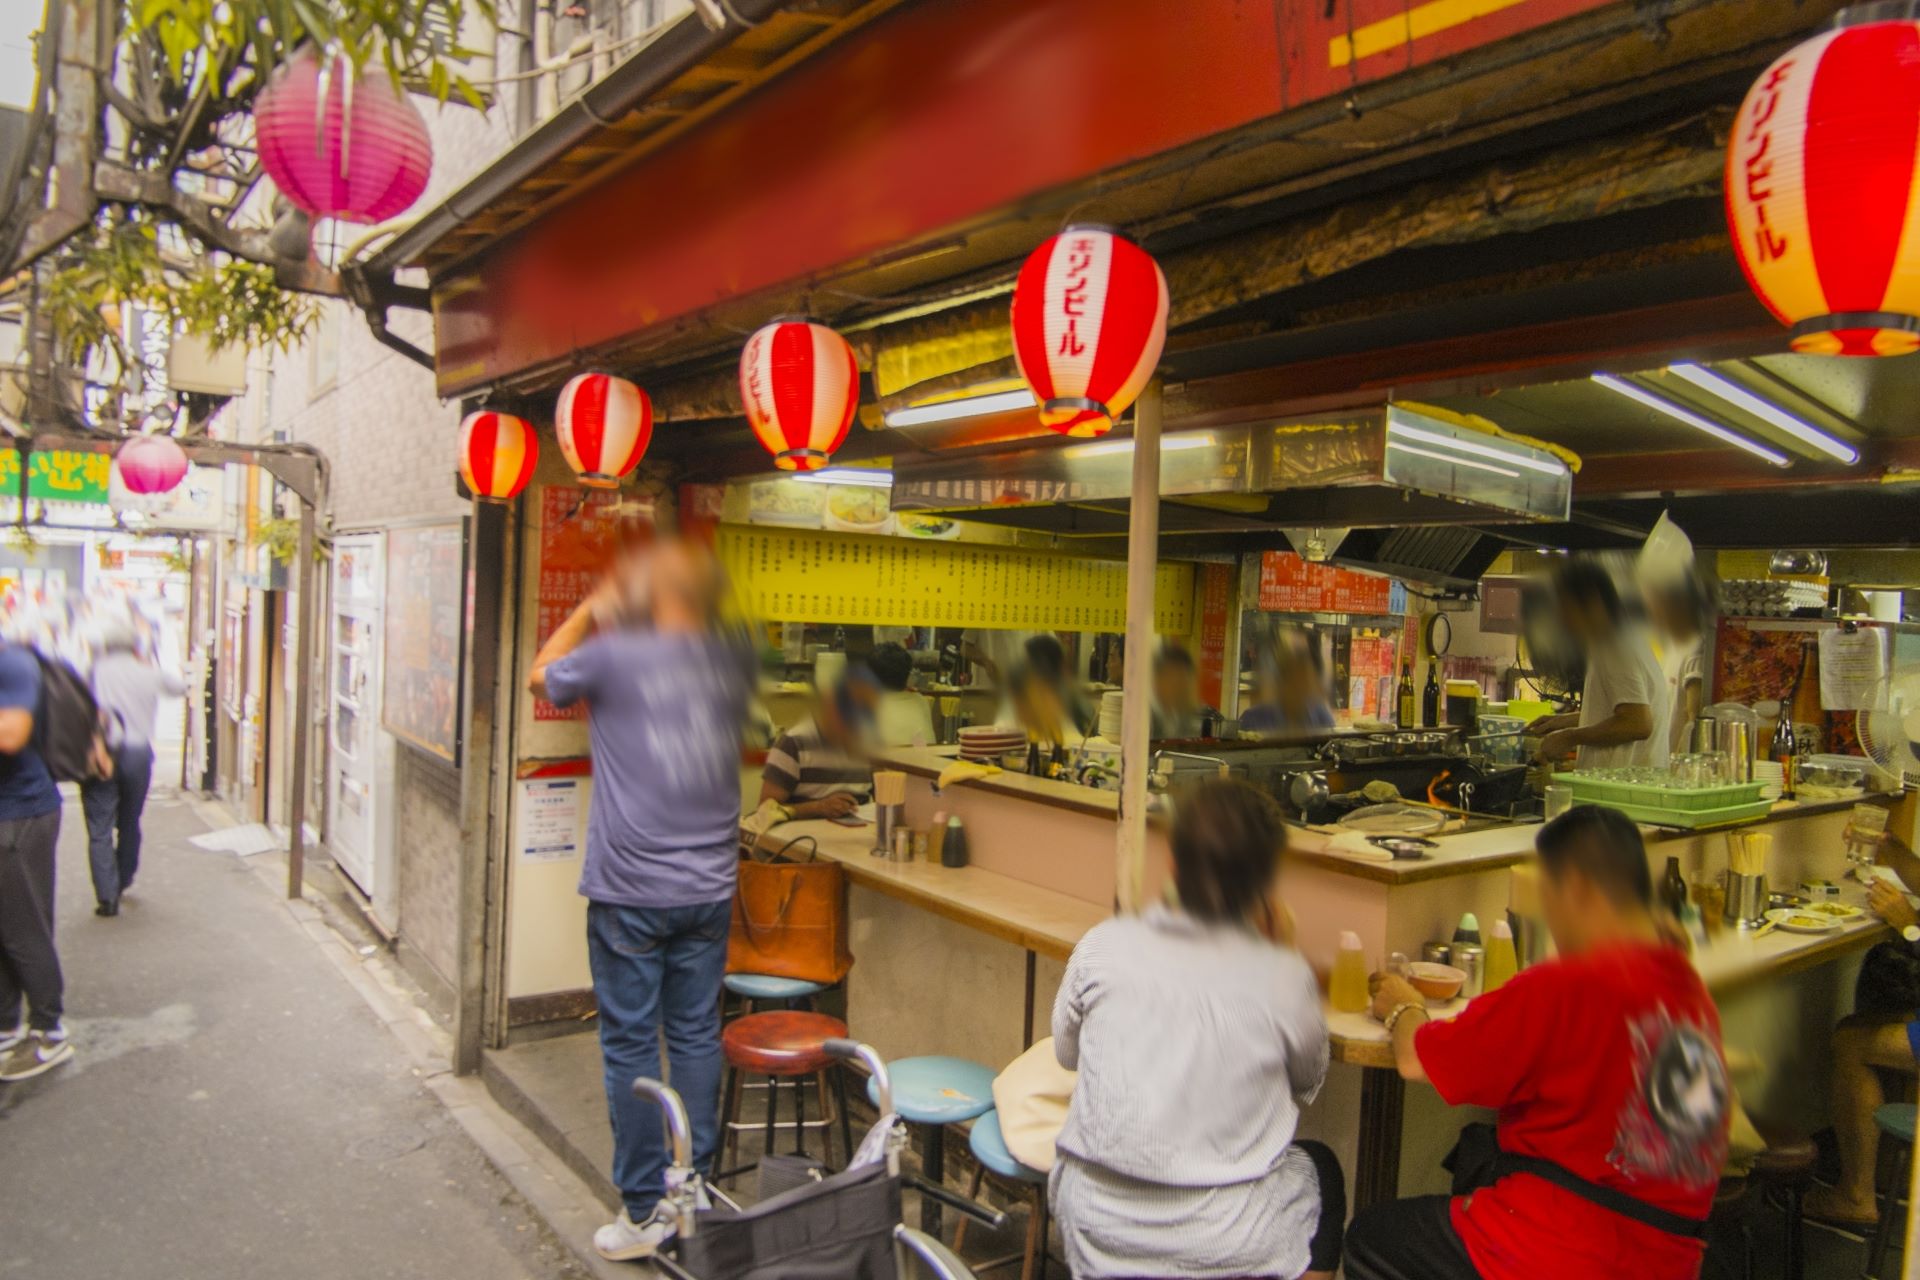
x=234, y=1110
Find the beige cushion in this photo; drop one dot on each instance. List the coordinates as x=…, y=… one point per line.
x=1031, y=1096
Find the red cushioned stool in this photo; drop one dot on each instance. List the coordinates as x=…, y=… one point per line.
x=788, y=1045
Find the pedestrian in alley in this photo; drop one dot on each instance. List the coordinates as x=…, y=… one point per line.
x=666, y=697
x=29, y=829
x=128, y=688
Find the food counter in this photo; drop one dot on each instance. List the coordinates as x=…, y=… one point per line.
x=967, y=961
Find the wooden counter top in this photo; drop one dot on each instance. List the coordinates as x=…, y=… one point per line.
x=1036, y=919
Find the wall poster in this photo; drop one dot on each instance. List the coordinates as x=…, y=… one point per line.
x=579, y=534
x=425, y=648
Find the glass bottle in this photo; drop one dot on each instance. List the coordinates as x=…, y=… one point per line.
x=1409, y=708
x=1347, y=991
x=1673, y=889
x=1782, y=750
x=1502, y=960
x=1809, y=716
x=1430, y=697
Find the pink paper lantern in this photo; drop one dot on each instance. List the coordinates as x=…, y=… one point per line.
x=151, y=464
x=367, y=162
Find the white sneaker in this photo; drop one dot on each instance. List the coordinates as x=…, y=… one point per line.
x=38, y=1051
x=624, y=1240
x=8, y=1039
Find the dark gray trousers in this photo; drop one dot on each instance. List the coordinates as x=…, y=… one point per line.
x=29, y=965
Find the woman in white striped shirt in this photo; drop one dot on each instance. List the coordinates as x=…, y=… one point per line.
x=1197, y=1034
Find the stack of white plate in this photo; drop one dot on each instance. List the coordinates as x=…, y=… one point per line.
x=986, y=742
x=1110, y=713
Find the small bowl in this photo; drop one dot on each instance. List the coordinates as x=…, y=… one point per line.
x=1441, y=982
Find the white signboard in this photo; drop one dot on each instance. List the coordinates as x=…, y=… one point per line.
x=550, y=820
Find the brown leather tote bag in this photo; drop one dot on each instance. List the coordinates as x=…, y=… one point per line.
x=790, y=917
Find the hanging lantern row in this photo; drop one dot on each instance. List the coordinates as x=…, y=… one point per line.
x=604, y=424
x=339, y=146
x=1089, y=321
x=150, y=465
x=1823, y=187
x=800, y=386
x=497, y=455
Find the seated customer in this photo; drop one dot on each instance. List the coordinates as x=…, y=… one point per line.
x=1871, y=1047
x=1292, y=694
x=1177, y=709
x=814, y=769
x=902, y=718
x=1605, y=1067
x=1198, y=1036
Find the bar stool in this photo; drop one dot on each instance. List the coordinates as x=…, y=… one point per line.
x=1780, y=1176
x=759, y=988
x=784, y=1045
x=990, y=1155
x=1895, y=1120
x=937, y=1092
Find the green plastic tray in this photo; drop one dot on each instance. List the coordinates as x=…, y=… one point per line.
x=1690, y=818
x=1588, y=789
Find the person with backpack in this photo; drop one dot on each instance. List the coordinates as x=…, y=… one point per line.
x=128, y=689
x=29, y=830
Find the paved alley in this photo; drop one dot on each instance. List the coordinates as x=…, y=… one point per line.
x=235, y=1110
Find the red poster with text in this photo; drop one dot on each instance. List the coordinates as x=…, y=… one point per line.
x=1289, y=584
x=579, y=533
x=1216, y=599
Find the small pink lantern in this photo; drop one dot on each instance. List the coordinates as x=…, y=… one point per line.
x=365, y=161
x=151, y=464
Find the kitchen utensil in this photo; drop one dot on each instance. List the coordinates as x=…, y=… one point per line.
x=1746, y=900
x=1471, y=960
x=1394, y=819
x=1437, y=953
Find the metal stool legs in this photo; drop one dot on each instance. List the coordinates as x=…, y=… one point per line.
x=1889, y=1211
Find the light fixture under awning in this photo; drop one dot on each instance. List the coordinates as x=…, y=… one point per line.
x=1385, y=466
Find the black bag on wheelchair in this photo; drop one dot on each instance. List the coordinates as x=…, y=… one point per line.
x=838, y=1228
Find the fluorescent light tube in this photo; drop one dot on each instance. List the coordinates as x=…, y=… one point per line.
x=1765, y=410
x=1454, y=458
x=870, y=478
x=1552, y=467
x=920, y=415
x=1168, y=444
x=1688, y=416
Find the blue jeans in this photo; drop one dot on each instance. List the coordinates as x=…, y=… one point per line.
x=113, y=809
x=657, y=970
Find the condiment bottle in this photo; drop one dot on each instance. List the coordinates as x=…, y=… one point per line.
x=1673, y=889
x=1347, y=991
x=1469, y=929
x=1502, y=961
x=953, y=849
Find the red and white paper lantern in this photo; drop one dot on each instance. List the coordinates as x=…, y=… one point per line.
x=604, y=424
x=497, y=455
x=338, y=144
x=1823, y=187
x=800, y=386
x=1089, y=320
x=151, y=464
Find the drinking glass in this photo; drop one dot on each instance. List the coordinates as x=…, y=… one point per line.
x=1559, y=797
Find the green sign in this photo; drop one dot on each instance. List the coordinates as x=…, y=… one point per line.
x=57, y=475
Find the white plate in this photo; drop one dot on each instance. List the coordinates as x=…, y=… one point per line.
x=1784, y=917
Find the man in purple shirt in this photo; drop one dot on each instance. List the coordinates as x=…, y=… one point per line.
x=666, y=697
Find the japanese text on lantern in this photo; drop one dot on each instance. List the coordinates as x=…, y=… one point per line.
x=1073, y=294
x=1757, y=161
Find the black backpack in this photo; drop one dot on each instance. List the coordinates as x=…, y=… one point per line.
x=67, y=732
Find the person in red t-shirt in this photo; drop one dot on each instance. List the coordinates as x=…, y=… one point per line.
x=1605, y=1062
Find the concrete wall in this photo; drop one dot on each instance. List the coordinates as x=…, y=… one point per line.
x=427, y=834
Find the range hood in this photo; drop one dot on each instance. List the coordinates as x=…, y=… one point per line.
x=1384, y=467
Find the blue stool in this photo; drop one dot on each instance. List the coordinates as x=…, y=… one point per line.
x=1895, y=1120
x=936, y=1092
x=755, y=987
x=990, y=1154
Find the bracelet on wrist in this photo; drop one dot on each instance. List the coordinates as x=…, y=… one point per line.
x=1399, y=1011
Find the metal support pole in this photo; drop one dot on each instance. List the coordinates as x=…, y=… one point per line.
x=489, y=585
x=302, y=705
x=1143, y=558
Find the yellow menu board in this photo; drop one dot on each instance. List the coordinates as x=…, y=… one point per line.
x=805, y=575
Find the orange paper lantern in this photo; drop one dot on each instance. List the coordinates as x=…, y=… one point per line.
x=497, y=455
x=1821, y=187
